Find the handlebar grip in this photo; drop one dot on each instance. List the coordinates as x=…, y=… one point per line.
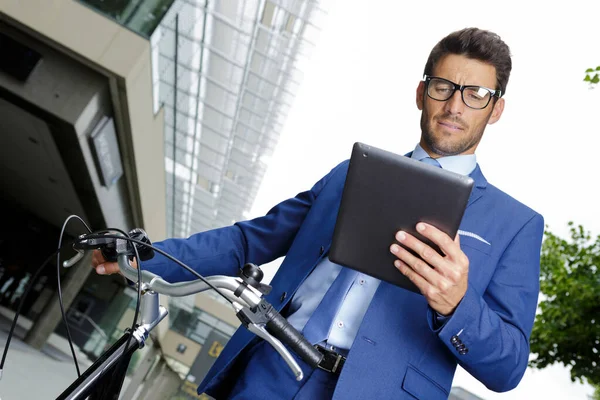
x=287, y=334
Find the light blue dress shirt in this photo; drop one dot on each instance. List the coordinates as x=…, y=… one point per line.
x=349, y=317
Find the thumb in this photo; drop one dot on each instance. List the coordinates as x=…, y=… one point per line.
x=107, y=268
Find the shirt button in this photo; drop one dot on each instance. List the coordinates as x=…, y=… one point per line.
x=361, y=281
x=340, y=324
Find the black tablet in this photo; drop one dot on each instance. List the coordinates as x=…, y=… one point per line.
x=384, y=193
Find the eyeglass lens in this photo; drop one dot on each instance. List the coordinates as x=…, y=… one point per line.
x=473, y=96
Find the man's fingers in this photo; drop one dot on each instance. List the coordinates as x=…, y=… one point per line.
x=424, y=251
x=416, y=264
x=444, y=242
x=107, y=268
x=414, y=277
x=97, y=258
x=100, y=269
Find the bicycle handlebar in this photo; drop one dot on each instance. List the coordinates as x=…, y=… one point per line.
x=259, y=317
x=227, y=284
x=255, y=313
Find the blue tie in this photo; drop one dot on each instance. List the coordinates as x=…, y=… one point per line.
x=318, y=325
x=431, y=161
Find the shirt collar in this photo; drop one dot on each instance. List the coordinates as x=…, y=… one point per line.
x=461, y=164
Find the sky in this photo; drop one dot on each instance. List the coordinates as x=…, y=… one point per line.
x=360, y=83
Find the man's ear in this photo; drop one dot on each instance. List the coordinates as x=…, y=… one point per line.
x=420, y=94
x=497, y=111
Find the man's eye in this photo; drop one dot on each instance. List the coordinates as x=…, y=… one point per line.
x=477, y=93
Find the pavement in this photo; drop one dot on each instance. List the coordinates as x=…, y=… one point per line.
x=35, y=374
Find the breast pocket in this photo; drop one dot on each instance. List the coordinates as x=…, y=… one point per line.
x=474, y=241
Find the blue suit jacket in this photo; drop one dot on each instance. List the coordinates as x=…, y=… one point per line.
x=398, y=352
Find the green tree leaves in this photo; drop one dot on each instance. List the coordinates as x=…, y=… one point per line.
x=592, y=75
x=596, y=395
x=567, y=327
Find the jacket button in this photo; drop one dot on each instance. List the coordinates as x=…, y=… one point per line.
x=463, y=352
x=454, y=340
x=283, y=296
x=321, y=250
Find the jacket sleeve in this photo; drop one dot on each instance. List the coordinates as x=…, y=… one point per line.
x=223, y=251
x=493, y=328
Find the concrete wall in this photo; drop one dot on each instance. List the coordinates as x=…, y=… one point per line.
x=124, y=58
x=169, y=344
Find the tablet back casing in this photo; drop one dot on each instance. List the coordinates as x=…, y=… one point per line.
x=384, y=193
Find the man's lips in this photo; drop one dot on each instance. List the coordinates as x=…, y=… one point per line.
x=450, y=125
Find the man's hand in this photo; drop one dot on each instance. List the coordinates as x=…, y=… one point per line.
x=106, y=268
x=442, y=280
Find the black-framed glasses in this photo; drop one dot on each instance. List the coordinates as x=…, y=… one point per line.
x=477, y=97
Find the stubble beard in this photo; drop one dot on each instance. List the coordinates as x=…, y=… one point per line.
x=449, y=146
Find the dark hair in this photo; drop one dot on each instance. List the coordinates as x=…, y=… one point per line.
x=477, y=44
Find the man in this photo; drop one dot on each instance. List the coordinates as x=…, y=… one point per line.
x=478, y=302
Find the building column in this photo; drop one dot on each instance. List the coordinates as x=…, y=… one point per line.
x=50, y=317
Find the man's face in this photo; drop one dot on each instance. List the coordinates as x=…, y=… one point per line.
x=450, y=127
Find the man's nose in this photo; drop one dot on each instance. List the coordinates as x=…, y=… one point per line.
x=455, y=105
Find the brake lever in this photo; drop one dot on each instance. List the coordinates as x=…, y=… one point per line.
x=260, y=331
x=80, y=246
x=278, y=346
x=83, y=244
x=74, y=260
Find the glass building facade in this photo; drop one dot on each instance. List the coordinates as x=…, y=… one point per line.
x=226, y=73
x=140, y=16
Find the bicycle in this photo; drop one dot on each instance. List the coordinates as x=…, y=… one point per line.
x=104, y=378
